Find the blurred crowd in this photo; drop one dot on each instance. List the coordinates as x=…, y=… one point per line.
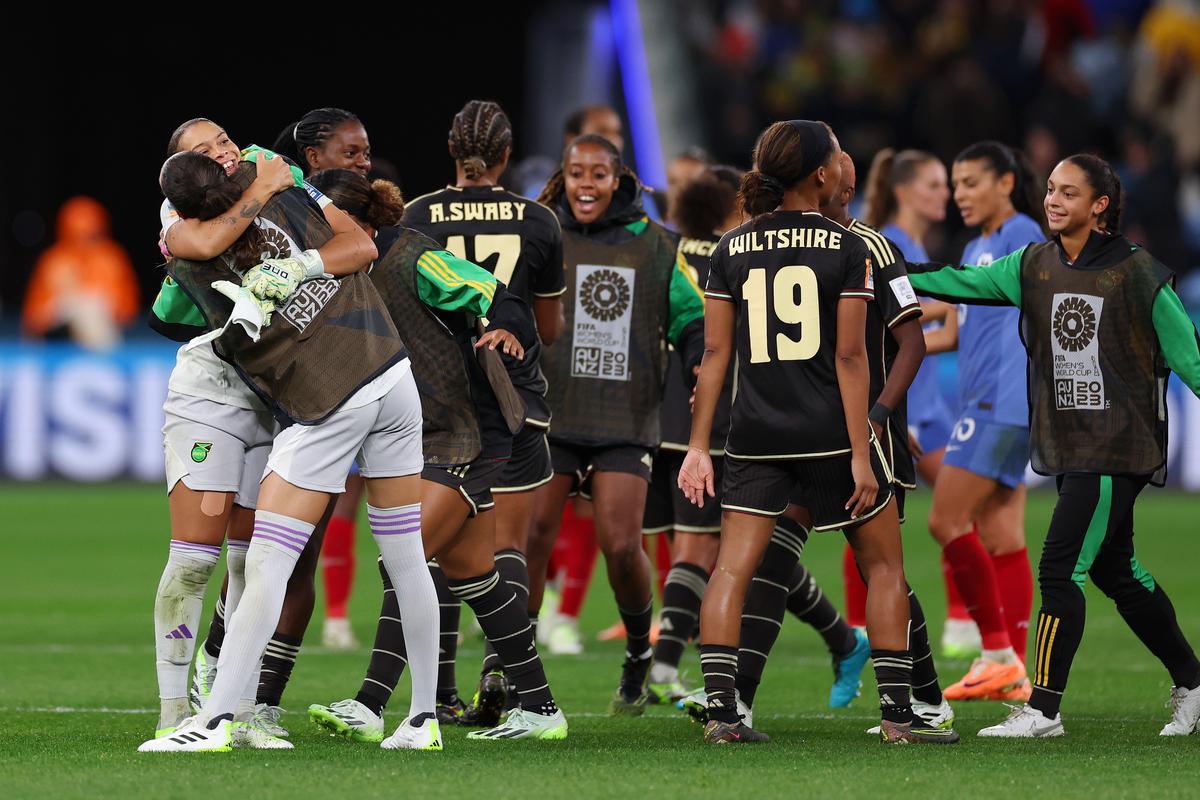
x=1117, y=77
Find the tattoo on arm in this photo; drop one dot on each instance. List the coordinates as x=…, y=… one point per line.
x=251, y=209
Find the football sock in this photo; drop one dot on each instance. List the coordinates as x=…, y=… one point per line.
x=1014, y=580
x=337, y=565
x=178, y=604
x=449, y=612
x=388, y=656
x=579, y=560
x=681, y=599
x=514, y=571
x=976, y=580
x=216, y=628
x=893, y=676
x=397, y=531
x=662, y=561
x=277, y=662
x=924, y=672
x=856, y=590
x=955, y=607
x=235, y=570
x=807, y=601
x=719, y=663
x=505, y=622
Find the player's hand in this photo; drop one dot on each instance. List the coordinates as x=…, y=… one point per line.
x=274, y=279
x=696, y=476
x=914, y=447
x=274, y=172
x=236, y=293
x=865, y=486
x=509, y=344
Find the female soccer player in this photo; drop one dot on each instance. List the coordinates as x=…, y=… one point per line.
x=906, y=195
x=217, y=433
x=628, y=293
x=434, y=297
x=799, y=426
x=520, y=242
x=1102, y=329
x=982, y=477
x=349, y=395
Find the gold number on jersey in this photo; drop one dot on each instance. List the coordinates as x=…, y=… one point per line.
x=805, y=313
x=505, y=245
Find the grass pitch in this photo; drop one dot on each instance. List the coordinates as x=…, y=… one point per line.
x=77, y=691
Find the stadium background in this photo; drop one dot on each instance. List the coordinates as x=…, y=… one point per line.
x=90, y=114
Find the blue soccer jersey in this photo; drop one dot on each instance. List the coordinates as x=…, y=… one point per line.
x=991, y=357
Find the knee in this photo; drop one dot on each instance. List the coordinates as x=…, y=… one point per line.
x=945, y=527
x=622, y=549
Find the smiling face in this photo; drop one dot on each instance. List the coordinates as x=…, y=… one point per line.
x=589, y=181
x=927, y=192
x=980, y=193
x=210, y=140
x=346, y=148
x=1071, y=203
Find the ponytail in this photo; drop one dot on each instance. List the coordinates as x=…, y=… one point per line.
x=1027, y=190
x=378, y=203
x=881, y=195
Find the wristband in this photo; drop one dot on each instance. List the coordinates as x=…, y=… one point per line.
x=879, y=414
x=314, y=266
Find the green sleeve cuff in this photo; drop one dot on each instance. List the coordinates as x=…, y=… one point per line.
x=686, y=299
x=174, y=307
x=451, y=283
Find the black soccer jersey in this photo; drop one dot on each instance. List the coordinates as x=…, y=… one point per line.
x=676, y=408
x=895, y=302
x=786, y=272
x=516, y=239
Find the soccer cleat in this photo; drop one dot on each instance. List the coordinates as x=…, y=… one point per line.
x=1017, y=693
x=449, y=713
x=930, y=716
x=421, y=732
x=204, y=673
x=847, y=672
x=522, y=724
x=253, y=735
x=348, y=718
x=915, y=732
x=632, y=695
x=695, y=706
x=487, y=706
x=161, y=732
x=1025, y=722
x=548, y=616
x=563, y=638
x=193, y=736
x=985, y=677
x=961, y=639
x=1185, y=712
x=668, y=693
x=612, y=633
x=717, y=732
x=268, y=717
x=336, y=634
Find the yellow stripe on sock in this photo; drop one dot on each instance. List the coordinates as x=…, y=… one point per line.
x=1049, y=649
x=1039, y=647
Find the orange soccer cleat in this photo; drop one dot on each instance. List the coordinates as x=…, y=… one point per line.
x=985, y=678
x=1017, y=693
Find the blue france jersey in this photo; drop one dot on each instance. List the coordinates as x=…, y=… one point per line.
x=991, y=357
x=925, y=402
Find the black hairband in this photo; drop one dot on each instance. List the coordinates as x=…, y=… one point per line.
x=815, y=143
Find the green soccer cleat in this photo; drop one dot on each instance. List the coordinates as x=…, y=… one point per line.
x=161, y=732
x=717, y=732
x=522, y=724
x=450, y=713
x=668, y=693
x=961, y=639
x=915, y=732
x=348, y=718
x=487, y=706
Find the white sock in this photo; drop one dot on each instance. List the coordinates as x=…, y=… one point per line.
x=177, y=608
x=1005, y=655
x=235, y=567
x=397, y=531
x=663, y=673
x=276, y=546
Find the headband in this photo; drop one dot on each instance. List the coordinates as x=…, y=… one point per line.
x=815, y=143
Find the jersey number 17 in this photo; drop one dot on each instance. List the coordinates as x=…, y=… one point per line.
x=505, y=245
x=788, y=310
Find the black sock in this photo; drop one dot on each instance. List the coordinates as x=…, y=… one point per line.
x=807, y=601
x=893, y=674
x=719, y=663
x=277, y=663
x=389, y=656
x=681, y=598
x=511, y=565
x=924, y=672
x=637, y=629
x=766, y=604
x=1151, y=616
x=505, y=622
x=450, y=609
x=216, y=630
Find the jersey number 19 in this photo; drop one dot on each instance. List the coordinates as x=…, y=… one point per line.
x=788, y=310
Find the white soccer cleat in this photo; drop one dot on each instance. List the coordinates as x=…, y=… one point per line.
x=253, y=735
x=961, y=639
x=564, y=638
x=1026, y=722
x=269, y=718
x=336, y=634
x=193, y=736
x=696, y=706
x=1185, y=712
x=204, y=674
x=348, y=718
x=522, y=724
x=412, y=734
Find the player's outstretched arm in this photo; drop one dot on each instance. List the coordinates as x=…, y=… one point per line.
x=1178, y=338
x=998, y=283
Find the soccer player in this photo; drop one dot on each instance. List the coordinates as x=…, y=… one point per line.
x=628, y=294
x=349, y=394
x=800, y=338
x=520, y=242
x=907, y=193
x=982, y=477
x=1103, y=329
x=470, y=412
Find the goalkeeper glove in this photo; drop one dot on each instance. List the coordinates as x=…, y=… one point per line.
x=277, y=278
x=239, y=294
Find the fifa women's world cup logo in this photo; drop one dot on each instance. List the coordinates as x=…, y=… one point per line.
x=604, y=294
x=1074, y=324
x=1075, y=352
x=603, y=314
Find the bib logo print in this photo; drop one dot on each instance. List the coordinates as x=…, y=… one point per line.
x=603, y=313
x=1078, y=380
x=200, y=451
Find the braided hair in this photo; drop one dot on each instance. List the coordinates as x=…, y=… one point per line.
x=312, y=130
x=557, y=184
x=479, y=137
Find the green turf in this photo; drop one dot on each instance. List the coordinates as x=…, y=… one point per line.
x=77, y=578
